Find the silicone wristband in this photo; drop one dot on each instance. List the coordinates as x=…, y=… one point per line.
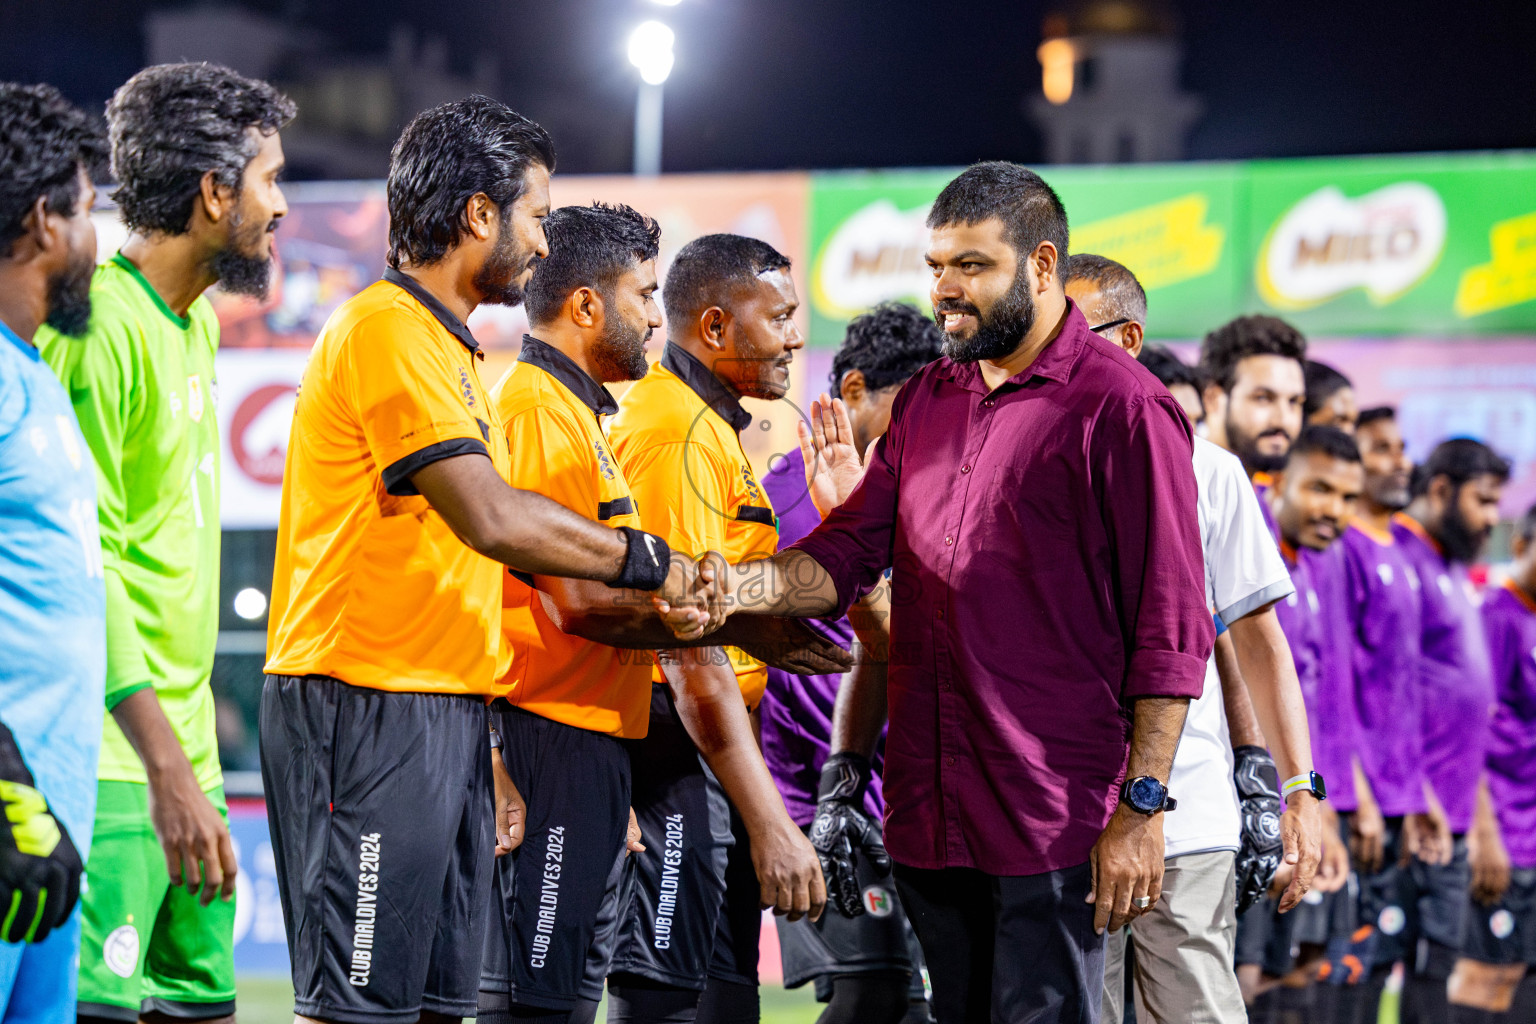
x=1293, y=784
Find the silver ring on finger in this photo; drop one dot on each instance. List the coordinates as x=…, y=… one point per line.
x=1142, y=902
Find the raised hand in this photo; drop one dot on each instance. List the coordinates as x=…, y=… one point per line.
x=832, y=464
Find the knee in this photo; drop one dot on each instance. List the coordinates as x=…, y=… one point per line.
x=1485, y=986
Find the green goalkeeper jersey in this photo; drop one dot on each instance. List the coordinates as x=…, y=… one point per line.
x=142, y=385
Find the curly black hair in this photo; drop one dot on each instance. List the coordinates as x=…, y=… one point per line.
x=888, y=344
x=589, y=246
x=702, y=266
x=1028, y=207
x=44, y=142
x=173, y=123
x=446, y=156
x=1459, y=460
x=1246, y=336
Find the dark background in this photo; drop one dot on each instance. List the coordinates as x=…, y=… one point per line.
x=868, y=83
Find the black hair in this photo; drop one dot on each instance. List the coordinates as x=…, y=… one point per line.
x=888, y=344
x=704, y=264
x=44, y=142
x=1124, y=298
x=1329, y=441
x=1029, y=208
x=1374, y=413
x=173, y=123
x=1525, y=526
x=1169, y=368
x=446, y=156
x=1246, y=336
x=1323, y=382
x=1459, y=460
x=589, y=246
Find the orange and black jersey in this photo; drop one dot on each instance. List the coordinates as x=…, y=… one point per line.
x=550, y=410
x=371, y=585
x=677, y=434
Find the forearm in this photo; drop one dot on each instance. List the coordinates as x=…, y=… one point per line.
x=1156, y=725
x=711, y=709
x=860, y=710
x=789, y=583
x=1270, y=673
x=1242, y=722
x=537, y=535
x=150, y=734
x=1485, y=820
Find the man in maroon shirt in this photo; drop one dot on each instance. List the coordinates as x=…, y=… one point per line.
x=1035, y=497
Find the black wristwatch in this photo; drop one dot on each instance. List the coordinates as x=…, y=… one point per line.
x=1145, y=795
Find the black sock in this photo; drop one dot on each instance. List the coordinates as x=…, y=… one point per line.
x=868, y=999
x=636, y=1000
x=729, y=1002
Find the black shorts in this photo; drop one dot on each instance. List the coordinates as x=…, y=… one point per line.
x=380, y=810
x=879, y=941
x=1264, y=937
x=1273, y=940
x=1405, y=905
x=1505, y=933
x=692, y=909
x=548, y=894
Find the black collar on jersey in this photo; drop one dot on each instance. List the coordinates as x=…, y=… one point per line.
x=564, y=369
x=707, y=386
x=451, y=323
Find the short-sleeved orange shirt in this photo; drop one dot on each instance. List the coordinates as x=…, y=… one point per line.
x=371, y=585
x=550, y=410
x=678, y=436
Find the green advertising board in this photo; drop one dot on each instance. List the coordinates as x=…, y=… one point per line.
x=1440, y=245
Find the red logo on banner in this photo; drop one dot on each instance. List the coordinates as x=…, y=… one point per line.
x=258, y=434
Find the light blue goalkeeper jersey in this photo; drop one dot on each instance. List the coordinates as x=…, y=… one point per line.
x=53, y=640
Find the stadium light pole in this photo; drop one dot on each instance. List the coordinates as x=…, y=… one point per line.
x=650, y=51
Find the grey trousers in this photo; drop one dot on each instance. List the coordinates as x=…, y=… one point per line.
x=1184, y=949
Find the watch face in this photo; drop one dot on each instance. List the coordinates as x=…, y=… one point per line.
x=1147, y=793
x=1318, y=788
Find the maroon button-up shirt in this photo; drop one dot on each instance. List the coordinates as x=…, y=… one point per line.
x=1047, y=570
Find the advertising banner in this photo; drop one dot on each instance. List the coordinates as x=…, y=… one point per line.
x=1176, y=226
x=1391, y=245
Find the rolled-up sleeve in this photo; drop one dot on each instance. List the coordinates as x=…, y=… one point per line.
x=853, y=544
x=1148, y=500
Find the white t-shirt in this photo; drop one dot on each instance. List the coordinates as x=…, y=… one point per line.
x=1243, y=572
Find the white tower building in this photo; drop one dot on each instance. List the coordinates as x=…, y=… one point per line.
x=1110, y=85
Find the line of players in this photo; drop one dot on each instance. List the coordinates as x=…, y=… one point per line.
x=569, y=693
x=1419, y=689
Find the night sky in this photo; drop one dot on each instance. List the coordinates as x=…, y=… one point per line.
x=887, y=83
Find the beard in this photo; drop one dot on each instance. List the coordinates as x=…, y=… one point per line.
x=499, y=277
x=1388, y=495
x=1246, y=447
x=999, y=332
x=239, y=273
x=620, y=351
x=1461, y=542
x=69, y=297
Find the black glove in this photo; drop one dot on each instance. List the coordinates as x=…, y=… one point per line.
x=842, y=829
x=1258, y=788
x=39, y=866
